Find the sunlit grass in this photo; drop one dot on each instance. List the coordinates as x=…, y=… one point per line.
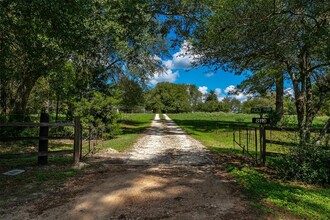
x=305, y=201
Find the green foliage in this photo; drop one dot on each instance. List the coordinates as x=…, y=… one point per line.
x=257, y=102
x=101, y=40
x=305, y=163
x=168, y=97
x=211, y=97
x=39, y=36
x=289, y=36
x=132, y=94
x=100, y=111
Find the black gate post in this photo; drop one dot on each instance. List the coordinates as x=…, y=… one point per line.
x=260, y=142
x=256, y=143
x=43, y=140
x=262, y=145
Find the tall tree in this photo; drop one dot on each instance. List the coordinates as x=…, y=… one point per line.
x=211, y=97
x=132, y=94
x=102, y=39
x=251, y=35
x=169, y=97
x=36, y=37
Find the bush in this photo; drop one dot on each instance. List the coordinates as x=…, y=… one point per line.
x=307, y=163
x=99, y=111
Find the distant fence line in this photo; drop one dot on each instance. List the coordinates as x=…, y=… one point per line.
x=255, y=138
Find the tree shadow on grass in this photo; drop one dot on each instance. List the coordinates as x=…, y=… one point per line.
x=209, y=126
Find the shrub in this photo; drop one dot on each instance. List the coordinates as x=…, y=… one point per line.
x=307, y=163
x=99, y=111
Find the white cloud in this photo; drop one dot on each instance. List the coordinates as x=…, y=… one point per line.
x=203, y=89
x=209, y=74
x=217, y=91
x=289, y=92
x=219, y=94
x=230, y=89
x=182, y=59
x=239, y=96
x=157, y=58
x=167, y=76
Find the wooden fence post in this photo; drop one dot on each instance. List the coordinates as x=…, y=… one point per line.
x=77, y=140
x=43, y=140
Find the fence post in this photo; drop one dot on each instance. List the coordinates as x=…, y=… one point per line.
x=262, y=145
x=234, y=140
x=256, y=143
x=260, y=142
x=43, y=140
x=77, y=140
x=247, y=140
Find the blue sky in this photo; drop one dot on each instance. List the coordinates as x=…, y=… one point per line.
x=179, y=70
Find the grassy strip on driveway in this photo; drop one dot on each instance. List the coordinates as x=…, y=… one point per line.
x=304, y=201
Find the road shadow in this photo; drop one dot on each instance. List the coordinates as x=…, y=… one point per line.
x=148, y=192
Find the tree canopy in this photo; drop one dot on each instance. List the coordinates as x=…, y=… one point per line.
x=101, y=40
x=254, y=35
x=175, y=98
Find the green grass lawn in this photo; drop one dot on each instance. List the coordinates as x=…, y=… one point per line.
x=215, y=131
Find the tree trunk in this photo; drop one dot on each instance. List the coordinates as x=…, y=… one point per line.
x=3, y=97
x=279, y=96
x=57, y=106
x=309, y=109
x=18, y=108
x=300, y=103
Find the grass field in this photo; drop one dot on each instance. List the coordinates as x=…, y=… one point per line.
x=215, y=131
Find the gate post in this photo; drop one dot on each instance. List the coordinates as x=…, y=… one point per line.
x=256, y=143
x=43, y=140
x=77, y=140
x=262, y=144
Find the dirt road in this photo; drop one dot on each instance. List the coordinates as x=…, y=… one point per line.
x=167, y=175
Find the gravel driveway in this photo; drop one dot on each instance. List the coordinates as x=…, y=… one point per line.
x=167, y=175
x=166, y=143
